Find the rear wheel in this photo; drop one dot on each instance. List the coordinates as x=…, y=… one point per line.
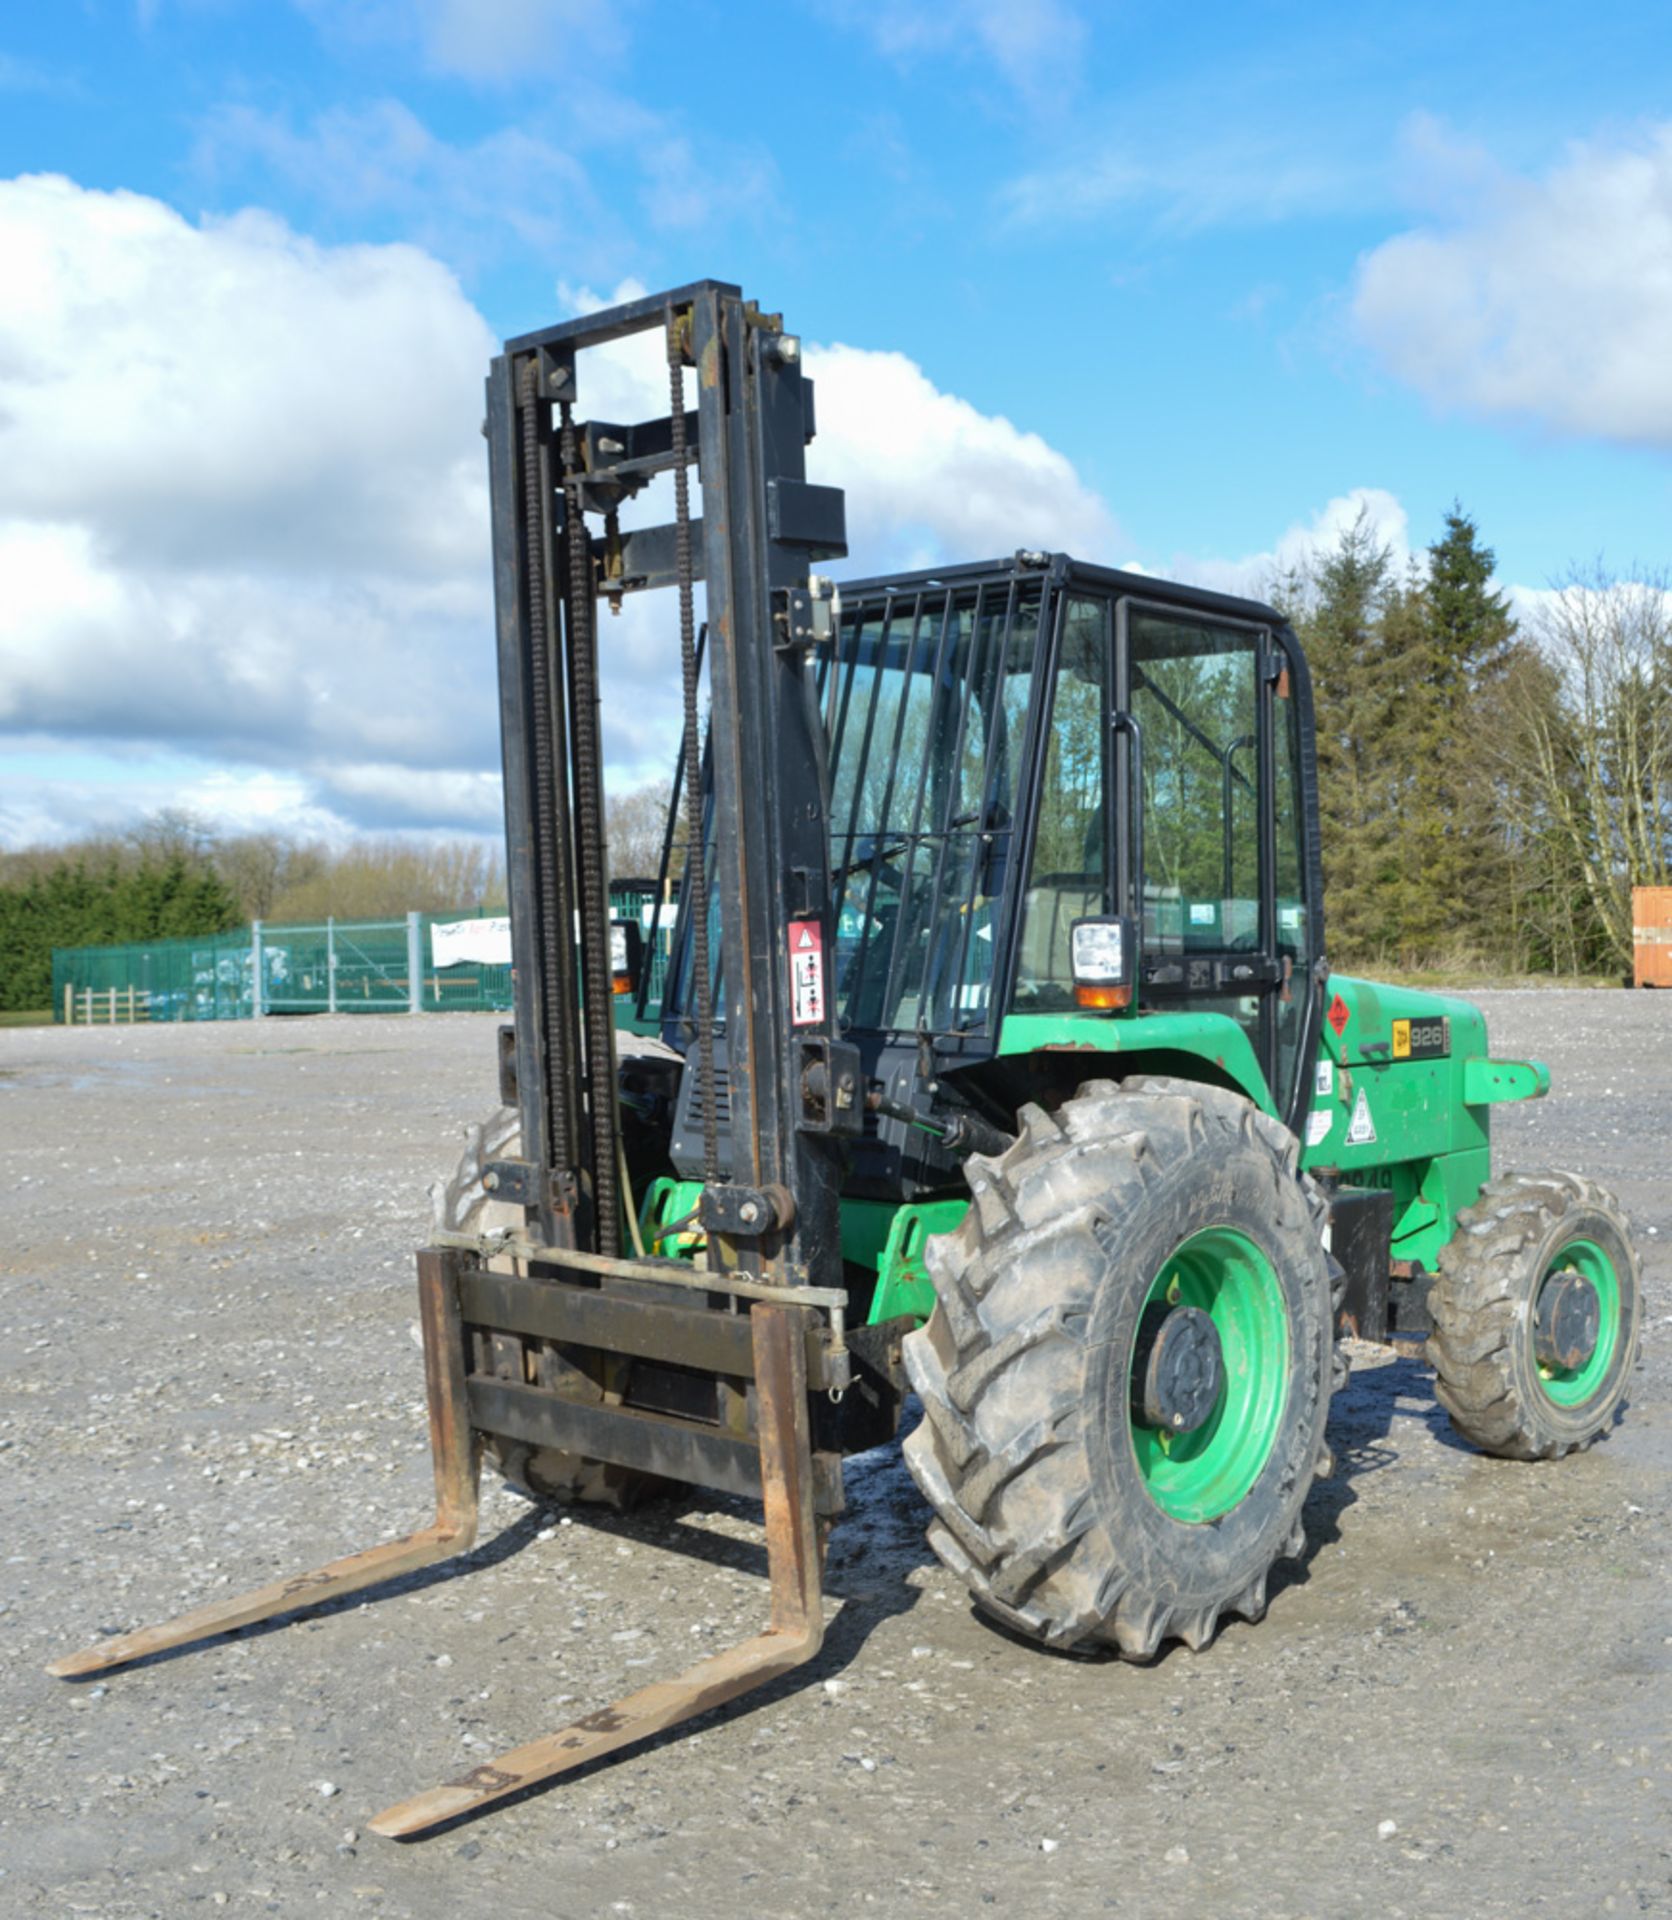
x=1537, y=1316
x=463, y=1204
x=1126, y=1377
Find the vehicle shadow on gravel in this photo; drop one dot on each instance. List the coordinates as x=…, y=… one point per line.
x=878, y=1546
x=1361, y=1422
x=1362, y=1414
x=873, y=1553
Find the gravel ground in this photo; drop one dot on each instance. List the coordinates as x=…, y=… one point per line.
x=1458, y=1706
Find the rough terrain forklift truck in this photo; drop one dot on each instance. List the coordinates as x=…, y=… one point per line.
x=1000, y=1060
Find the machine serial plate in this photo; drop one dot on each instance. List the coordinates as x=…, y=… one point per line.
x=1421, y=1039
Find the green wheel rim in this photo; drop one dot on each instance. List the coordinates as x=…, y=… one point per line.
x=1199, y=1476
x=1572, y=1386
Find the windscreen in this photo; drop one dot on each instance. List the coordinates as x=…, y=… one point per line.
x=927, y=699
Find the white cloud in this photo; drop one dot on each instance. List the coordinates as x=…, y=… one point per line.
x=930, y=479
x=1187, y=154
x=518, y=189
x=387, y=795
x=1547, y=299
x=243, y=519
x=242, y=494
x=1304, y=541
x=27, y=76
x=44, y=799
x=1241, y=174
x=1633, y=603
x=1627, y=617
x=381, y=159
x=216, y=396
x=500, y=39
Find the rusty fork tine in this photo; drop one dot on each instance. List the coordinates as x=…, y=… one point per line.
x=280, y=1596
x=663, y=1704
x=794, y=1635
x=453, y=1531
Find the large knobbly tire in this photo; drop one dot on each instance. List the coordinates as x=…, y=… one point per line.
x=460, y=1203
x=1524, y=1229
x=463, y=1204
x=1061, y=1511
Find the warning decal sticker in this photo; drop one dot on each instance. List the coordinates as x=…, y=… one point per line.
x=806, y=974
x=1338, y=1015
x=1317, y=1128
x=1362, y=1132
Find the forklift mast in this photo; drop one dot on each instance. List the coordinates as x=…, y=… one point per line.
x=793, y=1085
x=532, y=1338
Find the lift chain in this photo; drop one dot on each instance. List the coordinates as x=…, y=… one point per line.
x=589, y=839
x=696, y=885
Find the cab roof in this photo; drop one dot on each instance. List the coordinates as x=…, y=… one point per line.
x=1063, y=569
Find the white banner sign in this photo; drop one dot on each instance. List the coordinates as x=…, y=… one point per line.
x=485, y=943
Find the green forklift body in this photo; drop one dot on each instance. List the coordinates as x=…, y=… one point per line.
x=1021, y=745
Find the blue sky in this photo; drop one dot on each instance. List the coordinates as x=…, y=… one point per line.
x=1180, y=288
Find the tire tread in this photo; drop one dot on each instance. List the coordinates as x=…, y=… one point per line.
x=1000, y=1369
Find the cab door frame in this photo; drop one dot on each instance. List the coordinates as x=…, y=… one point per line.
x=1181, y=978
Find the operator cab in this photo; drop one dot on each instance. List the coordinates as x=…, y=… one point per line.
x=1020, y=745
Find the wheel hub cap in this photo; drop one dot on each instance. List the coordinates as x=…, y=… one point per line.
x=1183, y=1371
x=1567, y=1323
x=1224, y=1361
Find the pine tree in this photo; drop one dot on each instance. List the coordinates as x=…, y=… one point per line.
x=1459, y=875
x=1471, y=626
x=73, y=905
x=1338, y=607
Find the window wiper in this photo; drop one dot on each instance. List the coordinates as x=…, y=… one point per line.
x=993, y=818
x=871, y=856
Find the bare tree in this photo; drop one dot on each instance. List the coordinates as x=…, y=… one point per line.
x=172, y=833
x=1601, y=750
x=276, y=877
x=375, y=879
x=634, y=824
x=261, y=867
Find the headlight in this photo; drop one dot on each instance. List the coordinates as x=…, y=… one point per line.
x=626, y=955
x=1104, y=960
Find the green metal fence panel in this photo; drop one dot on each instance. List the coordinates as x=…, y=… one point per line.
x=206, y=977
x=462, y=963
x=336, y=966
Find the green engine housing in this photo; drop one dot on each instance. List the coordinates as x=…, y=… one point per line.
x=1402, y=1092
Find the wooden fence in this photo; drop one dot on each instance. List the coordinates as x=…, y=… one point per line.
x=106, y=1006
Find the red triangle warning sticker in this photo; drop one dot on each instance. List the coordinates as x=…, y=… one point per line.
x=1338, y=1015
x=806, y=939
